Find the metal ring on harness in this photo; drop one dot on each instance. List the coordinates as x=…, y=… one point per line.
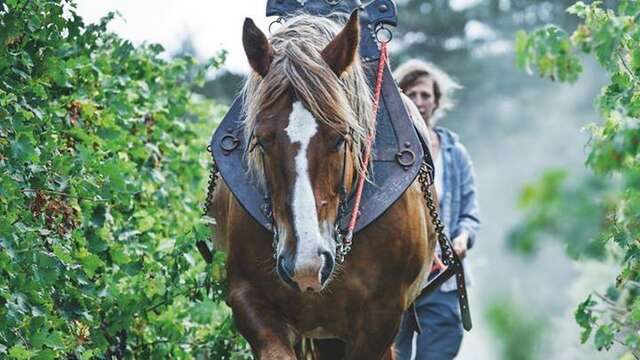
x=229, y=143
x=383, y=34
x=405, y=157
x=278, y=21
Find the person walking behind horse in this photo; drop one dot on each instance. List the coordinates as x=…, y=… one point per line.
x=438, y=313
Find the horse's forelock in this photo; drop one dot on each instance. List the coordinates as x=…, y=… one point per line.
x=298, y=65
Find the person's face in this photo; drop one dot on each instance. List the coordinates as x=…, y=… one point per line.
x=423, y=95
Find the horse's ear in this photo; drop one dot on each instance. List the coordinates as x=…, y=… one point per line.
x=341, y=52
x=257, y=47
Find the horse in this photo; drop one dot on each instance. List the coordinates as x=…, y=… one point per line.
x=308, y=109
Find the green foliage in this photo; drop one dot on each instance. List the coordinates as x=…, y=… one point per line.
x=223, y=88
x=102, y=170
x=556, y=209
x=612, y=37
x=519, y=333
x=550, y=50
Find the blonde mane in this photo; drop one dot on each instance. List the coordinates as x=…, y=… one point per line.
x=298, y=64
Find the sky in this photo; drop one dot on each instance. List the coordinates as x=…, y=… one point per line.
x=211, y=24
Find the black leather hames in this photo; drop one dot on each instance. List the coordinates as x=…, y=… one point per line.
x=397, y=152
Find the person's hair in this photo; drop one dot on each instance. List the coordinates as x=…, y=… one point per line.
x=413, y=71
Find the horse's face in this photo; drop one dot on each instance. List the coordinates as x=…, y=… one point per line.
x=303, y=161
x=306, y=164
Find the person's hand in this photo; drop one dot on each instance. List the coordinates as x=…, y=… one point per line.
x=461, y=244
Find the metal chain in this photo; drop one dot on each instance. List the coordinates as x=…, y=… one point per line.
x=426, y=179
x=213, y=179
x=274, y=227
x=201, y=244
x=342, y=248
x=274, y=243
x=449, y=257
x=343, y=245
x=339, y=240
x=347, y=241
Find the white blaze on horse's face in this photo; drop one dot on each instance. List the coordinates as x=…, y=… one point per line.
x=312, y=245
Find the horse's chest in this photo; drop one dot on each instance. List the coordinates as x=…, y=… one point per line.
x=319, y=319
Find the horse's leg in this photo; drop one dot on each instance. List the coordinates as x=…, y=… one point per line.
x=373, y=338
x=390, y=354
x=266, y=331
x=368, y=349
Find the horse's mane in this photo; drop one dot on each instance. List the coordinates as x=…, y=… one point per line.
x=298, y=64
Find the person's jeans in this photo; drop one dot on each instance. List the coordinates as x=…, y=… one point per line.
x=441, y=336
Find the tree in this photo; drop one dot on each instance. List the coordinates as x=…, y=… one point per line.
x=612, y=37
x=455, y=36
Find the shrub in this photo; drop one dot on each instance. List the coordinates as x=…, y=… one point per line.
x=103, y=169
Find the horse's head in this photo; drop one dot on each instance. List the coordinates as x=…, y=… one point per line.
x=305, y=105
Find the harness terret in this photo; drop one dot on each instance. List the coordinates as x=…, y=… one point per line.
x=394, y=152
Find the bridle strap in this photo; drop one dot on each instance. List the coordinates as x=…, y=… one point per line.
x=342, y=196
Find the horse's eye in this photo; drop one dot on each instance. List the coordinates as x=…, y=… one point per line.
x=257, y=143
x=339, y=142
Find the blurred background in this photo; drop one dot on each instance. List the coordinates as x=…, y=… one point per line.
x=516, y=126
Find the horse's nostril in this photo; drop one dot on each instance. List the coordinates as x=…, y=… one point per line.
x=285, y=266
x=327, y=269
x=285, y=270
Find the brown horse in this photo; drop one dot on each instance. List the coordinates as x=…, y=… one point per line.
x=308, y=114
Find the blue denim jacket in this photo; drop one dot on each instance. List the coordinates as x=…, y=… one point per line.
x=458, y=205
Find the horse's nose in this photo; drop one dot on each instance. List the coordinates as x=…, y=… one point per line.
x=312, y=274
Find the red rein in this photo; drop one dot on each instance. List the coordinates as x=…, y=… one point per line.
x=437, y=263
x=367, y=155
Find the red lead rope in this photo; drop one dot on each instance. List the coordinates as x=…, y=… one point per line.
x=367, y=156
x=437, y=264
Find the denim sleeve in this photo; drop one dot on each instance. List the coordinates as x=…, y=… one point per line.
x=469, y=217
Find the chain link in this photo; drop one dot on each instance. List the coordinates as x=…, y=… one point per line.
x=341, y=247
x=426, y=179
x=201, y=244
x=346, y=245
x=213, y=179
x=274, y=227
x=274, y=242
x=449, y=257
x=338, y=240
